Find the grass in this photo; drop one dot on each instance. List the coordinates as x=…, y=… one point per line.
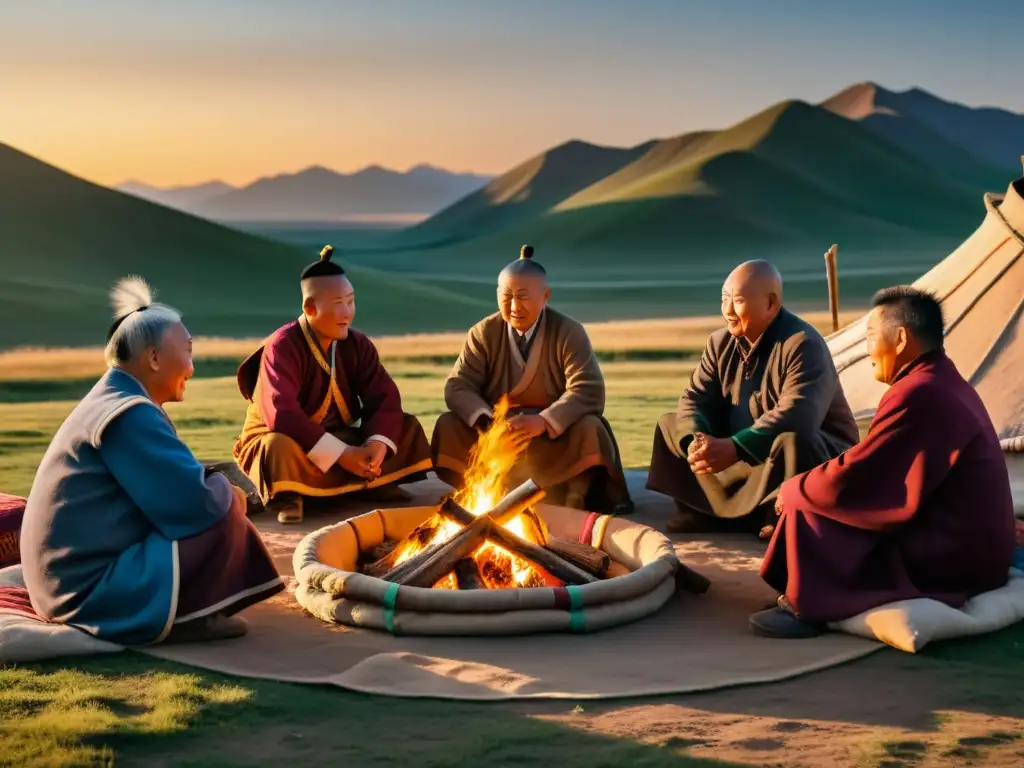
x=128, y=709
x=133, y=709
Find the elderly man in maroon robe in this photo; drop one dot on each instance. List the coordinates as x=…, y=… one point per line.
x=325, y=417
x=921, y=508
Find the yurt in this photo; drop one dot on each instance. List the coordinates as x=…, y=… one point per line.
x=981, y=286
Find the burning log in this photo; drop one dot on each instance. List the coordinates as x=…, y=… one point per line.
x=584, y=557
x=554, y=564
x=588, y=558
x=467, y=574
x=428, y=567
x=385, y=561
x=514, y=503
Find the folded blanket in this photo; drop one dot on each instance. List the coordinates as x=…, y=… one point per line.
x=24, y=636
x=12, y=510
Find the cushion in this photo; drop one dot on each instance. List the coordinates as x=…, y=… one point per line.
x=910, y=625
x=24, y=639
x=12, y=510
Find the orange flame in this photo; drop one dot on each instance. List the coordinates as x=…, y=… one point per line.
x=490, y=462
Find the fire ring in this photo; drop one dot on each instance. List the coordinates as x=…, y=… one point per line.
x=331, y=588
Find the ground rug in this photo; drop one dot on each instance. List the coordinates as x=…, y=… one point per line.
x=694, y=643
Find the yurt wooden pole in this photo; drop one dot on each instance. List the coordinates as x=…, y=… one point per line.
x=831, y=255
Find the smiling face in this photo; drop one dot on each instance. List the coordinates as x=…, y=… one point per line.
x=166, y=368
x=329, y=304
x=750, y=302
x=521, y=299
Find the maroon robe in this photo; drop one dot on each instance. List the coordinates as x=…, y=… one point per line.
x=920, y=508
x=298, y=394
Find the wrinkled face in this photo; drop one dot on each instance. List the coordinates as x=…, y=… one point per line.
x=746, y=306
x=332, y=307
x=170, y=365
x=885, y=346
x=521, y=299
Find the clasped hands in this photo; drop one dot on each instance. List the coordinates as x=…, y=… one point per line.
x=708, y=455
x=365, y=460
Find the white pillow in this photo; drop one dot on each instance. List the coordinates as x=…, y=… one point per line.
x=23, y=639
x=910, y=625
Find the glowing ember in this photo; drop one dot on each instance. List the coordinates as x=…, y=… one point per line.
x=490, y=461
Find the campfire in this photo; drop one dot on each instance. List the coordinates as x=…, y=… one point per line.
x=484, y=537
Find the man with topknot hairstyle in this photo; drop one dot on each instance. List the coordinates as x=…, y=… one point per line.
x=325, y=417
x=542, y=361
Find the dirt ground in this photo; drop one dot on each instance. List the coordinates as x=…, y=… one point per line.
x=880, y=711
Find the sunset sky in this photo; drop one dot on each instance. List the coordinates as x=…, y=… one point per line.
x=186, y=91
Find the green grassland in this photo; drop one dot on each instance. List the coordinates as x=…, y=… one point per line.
x=212, y=414
x=130, y=709
x=647, y=231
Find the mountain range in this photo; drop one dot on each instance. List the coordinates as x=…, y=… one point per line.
x=318, y=194
x=896, y=178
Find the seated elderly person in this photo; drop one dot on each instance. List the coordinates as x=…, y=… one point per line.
x=540, y=361
x=763, y=404
x=126, y=535
x=921, y=508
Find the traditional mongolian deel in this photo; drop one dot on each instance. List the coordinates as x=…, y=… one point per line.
x=778, y=399
x=921, y=508
x=298, y=394
x=331, y=589
x=560, y=379
x=126, y=534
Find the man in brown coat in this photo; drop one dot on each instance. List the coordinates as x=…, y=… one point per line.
x=763, y=405
x=541, y=361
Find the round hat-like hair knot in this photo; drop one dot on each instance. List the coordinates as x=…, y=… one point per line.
x=526, y=252
x=325, y=254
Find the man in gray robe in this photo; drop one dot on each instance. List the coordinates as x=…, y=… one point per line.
x=764, y=404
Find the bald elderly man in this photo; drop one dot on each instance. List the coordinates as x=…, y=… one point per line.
x=763, y=405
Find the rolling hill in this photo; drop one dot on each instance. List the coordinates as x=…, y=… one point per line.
x=64, y=241
x=318, y=194
x=975, y=144
x=794, y=175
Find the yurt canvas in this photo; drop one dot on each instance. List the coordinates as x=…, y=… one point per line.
x=981, y=286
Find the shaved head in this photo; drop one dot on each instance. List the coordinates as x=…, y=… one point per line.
x=329, y=304
x=758, y=275
x=312, y=286
x=751, y=298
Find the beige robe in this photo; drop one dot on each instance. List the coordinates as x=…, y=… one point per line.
x=561, y=381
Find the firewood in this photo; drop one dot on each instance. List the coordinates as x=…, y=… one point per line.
x=440, y=560
x=689, y=580
x=554, y=564
x=582, y=556
x=513, y=503
x=467, y=573
x=420, y=536
x=590, y=559
x=377, y=553
x=616, y=569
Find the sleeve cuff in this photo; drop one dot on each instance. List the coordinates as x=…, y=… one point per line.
x=477, y=414
x=753, y=444
x=554, y=430
x=387, y=441
x=326, y=452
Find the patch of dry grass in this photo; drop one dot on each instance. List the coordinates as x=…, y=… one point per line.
x=688, y=333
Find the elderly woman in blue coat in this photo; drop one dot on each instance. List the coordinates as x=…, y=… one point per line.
x=126, y=535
